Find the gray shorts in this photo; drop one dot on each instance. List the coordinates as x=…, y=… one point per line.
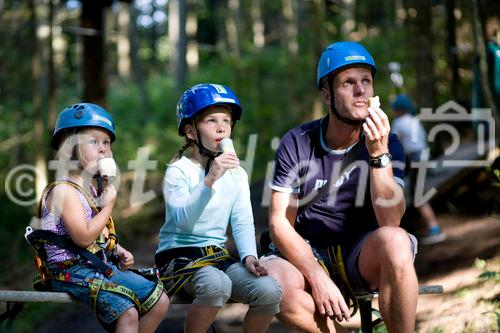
x=211, y=286
x=358, y=284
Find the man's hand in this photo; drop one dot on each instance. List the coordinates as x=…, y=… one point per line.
x=255, y=266
x=377, y=128
x=328, y=299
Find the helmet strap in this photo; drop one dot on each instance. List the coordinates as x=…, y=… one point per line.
x=210, y=155
x=334, y=110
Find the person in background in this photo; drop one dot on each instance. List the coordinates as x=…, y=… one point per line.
x=412, y=135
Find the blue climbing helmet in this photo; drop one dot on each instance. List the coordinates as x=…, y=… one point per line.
x=403, y=102
x=342, y=54
x=82, y=115
x=202, y=96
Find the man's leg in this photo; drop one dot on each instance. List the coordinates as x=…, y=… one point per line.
x=386, y=263
x=297, y=308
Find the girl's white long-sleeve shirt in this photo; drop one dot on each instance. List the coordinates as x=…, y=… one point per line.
x=196, y=215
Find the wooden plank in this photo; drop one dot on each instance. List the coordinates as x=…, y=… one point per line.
x=34, y=296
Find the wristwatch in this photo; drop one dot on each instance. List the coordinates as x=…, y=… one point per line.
x=380, y=161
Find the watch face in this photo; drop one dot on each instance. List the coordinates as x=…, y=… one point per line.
x=385, y=160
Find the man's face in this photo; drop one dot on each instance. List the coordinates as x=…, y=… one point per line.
x=351, y=88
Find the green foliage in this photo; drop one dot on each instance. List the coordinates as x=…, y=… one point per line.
x=488, y=275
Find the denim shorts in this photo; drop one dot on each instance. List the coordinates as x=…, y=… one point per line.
x=110, y=305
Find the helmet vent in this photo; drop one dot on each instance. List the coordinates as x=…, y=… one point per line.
x=79, y=114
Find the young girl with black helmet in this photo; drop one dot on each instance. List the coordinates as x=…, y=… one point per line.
x=78, y=250
x=204, y=192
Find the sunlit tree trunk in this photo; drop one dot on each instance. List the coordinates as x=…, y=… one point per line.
x=419, y=23
x=123, y=41
x=39, y=126
x=94, y=53
x=258, y=28
x=349, y=23
x=193, y=54
x=290, y=17
x=177, y=41
x=233, y=28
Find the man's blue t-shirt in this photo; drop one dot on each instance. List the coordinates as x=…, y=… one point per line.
x=304, y=164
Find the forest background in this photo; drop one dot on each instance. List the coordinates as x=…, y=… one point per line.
x=137, y=57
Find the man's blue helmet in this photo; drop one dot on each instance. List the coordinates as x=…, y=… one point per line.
x=82, y=115
x=202, y=96
x=342, y=54
x=403, y=102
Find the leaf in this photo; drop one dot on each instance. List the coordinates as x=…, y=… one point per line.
x=488, y=275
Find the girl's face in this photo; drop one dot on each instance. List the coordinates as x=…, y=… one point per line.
x=214, y=124
x=94, y=144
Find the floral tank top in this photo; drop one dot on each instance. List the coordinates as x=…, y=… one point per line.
x=54, y=223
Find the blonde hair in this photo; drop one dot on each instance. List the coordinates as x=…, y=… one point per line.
x=187, y=144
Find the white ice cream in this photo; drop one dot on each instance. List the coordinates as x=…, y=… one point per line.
x=107, y=167
x=227, y=146
x=374, y=102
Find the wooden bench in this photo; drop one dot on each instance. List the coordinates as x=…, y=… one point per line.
x=15, y=301
x=366, y=311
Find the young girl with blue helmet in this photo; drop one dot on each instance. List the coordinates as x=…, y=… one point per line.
x=204, y=192
x=78, y=248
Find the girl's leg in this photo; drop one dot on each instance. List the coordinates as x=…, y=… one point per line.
x=211, y=288
x=262, y=294
x=256, y=322
x=128, y=321
x=199, y=318
x=152, y=319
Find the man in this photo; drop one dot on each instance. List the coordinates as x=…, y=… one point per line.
x=412, y=134
x=378, y=254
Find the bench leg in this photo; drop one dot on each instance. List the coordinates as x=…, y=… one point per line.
x=13, y=309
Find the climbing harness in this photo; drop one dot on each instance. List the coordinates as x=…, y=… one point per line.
x=89, y=257
x=181, y=268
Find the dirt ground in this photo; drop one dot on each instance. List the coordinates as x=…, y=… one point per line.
x=465, y=306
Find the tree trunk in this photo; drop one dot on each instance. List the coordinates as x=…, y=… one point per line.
x=123, y=41
x=39, y=127
x=419, y=23
x=349, y=23
x=193, y=53
x=94, y=57
x=177, y=41
x=51, y=91
x=258, y=28
x=452, y=48
x=480, y=50
x=233, y=28
x=318, y=15
x=290, y=17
